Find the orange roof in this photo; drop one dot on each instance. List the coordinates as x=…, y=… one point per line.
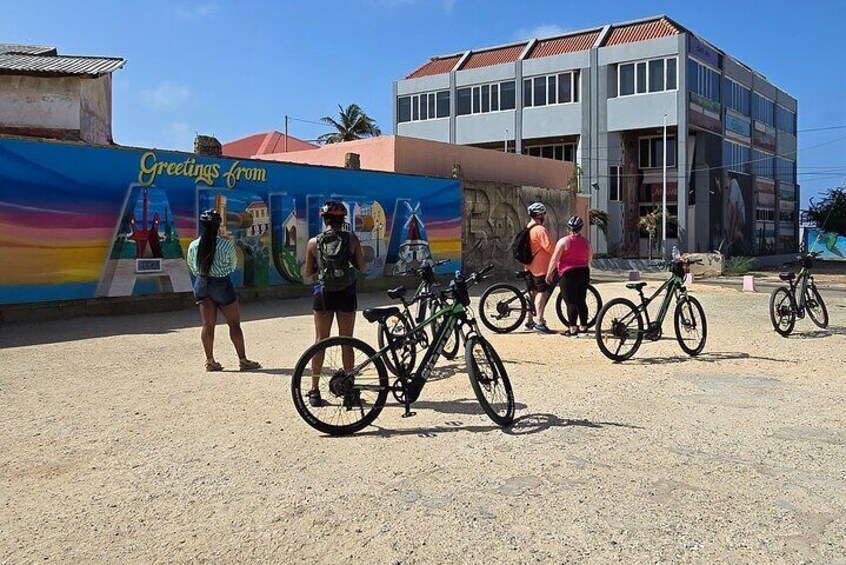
x=435, y=67
x=493, y=57
x=566, y=44
x=642, y=31
x=263, y=144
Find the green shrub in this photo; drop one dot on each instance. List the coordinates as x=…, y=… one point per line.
x=739, y=265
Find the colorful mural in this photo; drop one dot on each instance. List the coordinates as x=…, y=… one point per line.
x=80, y=222
x=737, y=210
x=830, y=246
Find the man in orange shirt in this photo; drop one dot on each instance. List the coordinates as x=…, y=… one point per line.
x=542, y=247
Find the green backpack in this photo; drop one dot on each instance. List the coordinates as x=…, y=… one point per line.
x=334, y=259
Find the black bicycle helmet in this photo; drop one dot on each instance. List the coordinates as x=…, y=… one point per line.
x=333, y=208
x=210, y=217
x=575, y=223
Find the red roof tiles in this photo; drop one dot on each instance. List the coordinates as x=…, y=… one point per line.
x=264, y=144
x=493, y=57
x=435, y=67
x=566, y=44
x=641, y=32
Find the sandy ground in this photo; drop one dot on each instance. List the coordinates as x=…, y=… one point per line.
x=116, y=447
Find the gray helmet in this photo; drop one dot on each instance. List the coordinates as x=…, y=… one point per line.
x=536, y=208
x=575, y=223
x=210, y=217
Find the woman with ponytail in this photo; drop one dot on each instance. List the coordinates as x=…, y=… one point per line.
x=212, y=259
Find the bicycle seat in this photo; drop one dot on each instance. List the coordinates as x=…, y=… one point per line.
x=396, y=293
x=380, y=314
x=636, y=286
x=787, y=276
x=522, y=274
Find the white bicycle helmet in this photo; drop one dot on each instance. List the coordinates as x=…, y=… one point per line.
x=536, y=208
x=575, y=223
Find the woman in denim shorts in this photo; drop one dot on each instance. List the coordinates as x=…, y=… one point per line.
x=212, y=259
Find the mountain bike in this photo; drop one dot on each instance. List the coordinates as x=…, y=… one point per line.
x=353, y=379
x=621, y=326
x=785, y=306
x=427, y=300
x=503, y=306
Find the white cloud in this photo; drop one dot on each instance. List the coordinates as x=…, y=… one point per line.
x=168, y=95
x=543, y=30
x=176, y=135
x=197, y=11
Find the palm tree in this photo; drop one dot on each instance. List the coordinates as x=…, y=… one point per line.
x=650, y=224
x=353, y=124
x=600, y=219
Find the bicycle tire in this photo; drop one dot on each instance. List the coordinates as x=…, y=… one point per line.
x=594, y=304
x=812, y=295
x=681, y=323
x=491, y=379
x=408, y=356
x=502, y=308
x=636, y=340
x=778, y=314
x=380, y=387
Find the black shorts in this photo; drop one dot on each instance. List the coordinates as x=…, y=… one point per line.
x=538, y=284
x=219, y=290
x=335, y=301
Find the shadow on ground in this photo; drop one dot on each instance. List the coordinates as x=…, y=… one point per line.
x=714, y=357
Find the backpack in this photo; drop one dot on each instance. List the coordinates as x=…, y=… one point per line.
x=334, y=258
x=521, y=247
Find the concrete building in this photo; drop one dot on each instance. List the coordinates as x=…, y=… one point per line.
x=44, y=94
x=599, y=98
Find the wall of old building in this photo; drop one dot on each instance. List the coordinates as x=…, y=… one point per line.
x=95, y=112
x=31, y=103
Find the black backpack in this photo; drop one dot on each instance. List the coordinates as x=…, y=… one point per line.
x=334, y=259
x=521, y=247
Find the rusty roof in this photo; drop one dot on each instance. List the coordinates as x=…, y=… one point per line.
x=61, y=65
x=490, y=57
x=27, y=49
x=565, y=44
x=435, y=66
x=641, y=31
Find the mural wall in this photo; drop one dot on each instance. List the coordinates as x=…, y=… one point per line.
x=83, y=222
x=830, y=246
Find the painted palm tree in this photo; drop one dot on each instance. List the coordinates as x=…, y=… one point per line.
x=352, y=124
x=651, y=223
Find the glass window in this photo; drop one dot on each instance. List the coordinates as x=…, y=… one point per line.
x=641, y=78
x=506, y=91
x=443, y=104
x=551, y=90
x=576, y=76
x=657, y=148
x=547, y=152
x=535, y=151
x=570, y=152
x=703, y=81
x=486, y=98
x=627, y=79
x=415, y=108
x=463, y=103
x=540, y=91
x=404, y=109
x=644, y=153
x=736, y=96
x=763, y=109
x=477, y=100
x=614, y=183
x=671, y=74
x=762, y=164
x=424, y=108
x=527, y=92
x=786, y=120
x=559, y=152
x=565, y=93
x=494, y=97
x=432, y=106
x=656, y=75
x=784, y=170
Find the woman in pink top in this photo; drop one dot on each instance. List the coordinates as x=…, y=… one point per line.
x=571, y=263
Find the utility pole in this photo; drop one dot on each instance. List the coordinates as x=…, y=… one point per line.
x=506, y=140
x=286, y=133
x=664, y=197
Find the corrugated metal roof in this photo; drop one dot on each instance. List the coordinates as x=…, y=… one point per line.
x=435, y=67
x=59, y=64
x=566, y=44
x=27, y=49
x=493, y=57
x=641, y=32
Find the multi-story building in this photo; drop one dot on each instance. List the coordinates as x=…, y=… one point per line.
x=600, y=97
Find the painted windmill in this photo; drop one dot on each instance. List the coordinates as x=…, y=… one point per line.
x=414, y=248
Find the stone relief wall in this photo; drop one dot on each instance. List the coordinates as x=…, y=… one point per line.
x=494, y=212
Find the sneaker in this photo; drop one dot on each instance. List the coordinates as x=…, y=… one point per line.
x=542, y=329
x=530, y=326
x=314, y=399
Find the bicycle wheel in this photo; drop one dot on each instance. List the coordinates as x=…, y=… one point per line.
x=691, y=325
x=349, y=402
x=398, y=326
x=489, y=380
x=594, y=305
x=619, y=329
x=502, y=308
x=816, y=307
x=782, y=314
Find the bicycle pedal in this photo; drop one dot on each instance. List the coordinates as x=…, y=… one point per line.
x=409, y=414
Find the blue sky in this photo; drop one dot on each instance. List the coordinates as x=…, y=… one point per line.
x=230, y=69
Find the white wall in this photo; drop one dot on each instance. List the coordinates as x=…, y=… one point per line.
x=37, y=102
x=96, y=110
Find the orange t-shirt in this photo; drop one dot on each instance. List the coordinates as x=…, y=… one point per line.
x=542, y=248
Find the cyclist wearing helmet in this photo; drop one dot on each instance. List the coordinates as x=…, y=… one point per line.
x=571, y=263
x=212, y=259
x=541, y=246
x=332, y=258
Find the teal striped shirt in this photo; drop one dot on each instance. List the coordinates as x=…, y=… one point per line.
x=225, y=259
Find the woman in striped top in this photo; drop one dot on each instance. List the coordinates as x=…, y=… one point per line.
x=212, y=259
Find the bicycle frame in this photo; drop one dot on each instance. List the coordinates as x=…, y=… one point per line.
x=671, y=287
x=801, y=282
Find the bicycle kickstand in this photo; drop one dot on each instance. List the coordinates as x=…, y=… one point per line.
x=408, y=413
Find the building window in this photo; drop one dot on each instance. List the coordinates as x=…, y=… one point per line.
x=735, y=157
x=786, y=120
x=762, y=164
x=640, y=77
x=426, y=106
x=615, y=180
x=765, y=215
x=443, y=104
x=559, y=152
x=404, y=109
x=784, y=170
x=485, y=98
x=737, y=96
x=651, y=154
x=562, y=88
x=763, y=109
x=703, y=80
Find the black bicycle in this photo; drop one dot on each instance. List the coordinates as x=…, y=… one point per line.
x=503, y=306
x=785, y=306
x=621, y=326
x=353, y=379
x=427, y=300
